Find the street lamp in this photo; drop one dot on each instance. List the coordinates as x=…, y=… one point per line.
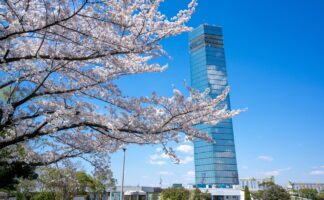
x=122, y=186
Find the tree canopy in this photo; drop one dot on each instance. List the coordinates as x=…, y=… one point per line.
x=247, y=194
x=59, y=62
x=184, y=194
x=10, y=174
x=198, y=195
x=175, y=194
x=308, y=193
x=275, y=192
x=63, y=182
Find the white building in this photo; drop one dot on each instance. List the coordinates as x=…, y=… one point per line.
x=255, y=184
x=294, y=186
x=136, y=193
x=224, y=193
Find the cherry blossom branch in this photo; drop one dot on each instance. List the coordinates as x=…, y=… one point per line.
x=60, y=61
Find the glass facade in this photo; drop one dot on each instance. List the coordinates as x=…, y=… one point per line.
x=215, y=163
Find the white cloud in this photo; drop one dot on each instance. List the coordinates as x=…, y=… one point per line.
x=163, y=155
x=156, y=159
x=276, y=172
x=267, y=158
x=159, y=149
x=162, y=158
x=189, y=176
x=317, y=172
x=184, y=148
x=225, y=154
x=186, y=160
x=318, y=167
x=157, y=162
x=159, y=156
x=166, y=173
x=191, y=173
x=245, y=167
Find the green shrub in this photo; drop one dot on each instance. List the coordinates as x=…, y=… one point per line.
x=175, y=194
x=275, y=192
x=247, y=194
x=18, y=195
x=44, y=196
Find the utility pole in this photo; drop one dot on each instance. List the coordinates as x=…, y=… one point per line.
x=122, y=186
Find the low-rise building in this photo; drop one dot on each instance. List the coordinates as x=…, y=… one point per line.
x=295, y=186
x=135, y=193
x=3, y=195
x=177, y=185
x=224, y=193
x=255, y=184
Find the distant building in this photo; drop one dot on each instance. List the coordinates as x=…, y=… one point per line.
x=255, y=184
x=3, y=195
x=224, y=193
x=294, y=186
x=215, y=163
x=135, y=193
x=190, y=186
x=177, y=185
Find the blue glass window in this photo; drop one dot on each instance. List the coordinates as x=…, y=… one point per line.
x=215, y=163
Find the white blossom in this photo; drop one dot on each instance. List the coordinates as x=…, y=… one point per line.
x=59, y=62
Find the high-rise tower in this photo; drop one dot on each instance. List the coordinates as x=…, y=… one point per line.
x=215, y=163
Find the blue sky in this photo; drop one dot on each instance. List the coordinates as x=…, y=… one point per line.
x=275, y=60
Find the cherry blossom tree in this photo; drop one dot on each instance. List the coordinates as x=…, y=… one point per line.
x=59, y=61
x=62, y=181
